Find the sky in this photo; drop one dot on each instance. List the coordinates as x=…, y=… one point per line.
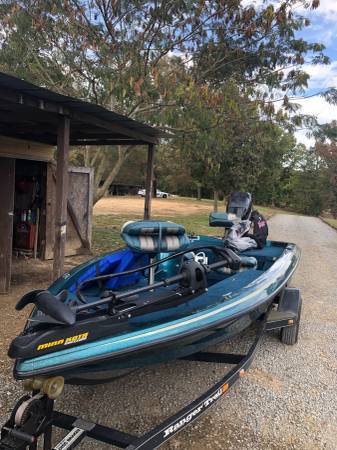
x=323, y=29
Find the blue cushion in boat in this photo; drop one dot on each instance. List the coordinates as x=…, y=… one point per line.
x=220, y=219
x=154, y=236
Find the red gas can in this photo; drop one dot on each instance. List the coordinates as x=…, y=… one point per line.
x=24, y=235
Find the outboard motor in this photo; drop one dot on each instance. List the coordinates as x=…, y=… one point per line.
x=237, y=221
x=239, y=205
x=238, y=237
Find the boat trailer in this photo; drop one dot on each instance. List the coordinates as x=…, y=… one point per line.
x=33, y=417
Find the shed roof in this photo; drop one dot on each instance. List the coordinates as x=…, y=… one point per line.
x=31, y=112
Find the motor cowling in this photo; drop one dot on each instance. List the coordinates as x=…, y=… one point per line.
x=240, y=205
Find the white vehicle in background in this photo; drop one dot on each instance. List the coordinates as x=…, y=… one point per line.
x=160, y=194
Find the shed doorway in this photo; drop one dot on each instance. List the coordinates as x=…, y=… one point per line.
x=27, y=213
x=29, y=208
x=34, y=210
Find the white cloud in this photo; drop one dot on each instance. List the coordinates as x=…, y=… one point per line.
x=328, y=8
x=302, y=138
x=324, y=35
x=318, y=107
x=321, y=76
x=257, y=3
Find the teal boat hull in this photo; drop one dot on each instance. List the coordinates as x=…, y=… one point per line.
x=224, y=310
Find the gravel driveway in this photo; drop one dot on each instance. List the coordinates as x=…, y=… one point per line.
x=288, y=399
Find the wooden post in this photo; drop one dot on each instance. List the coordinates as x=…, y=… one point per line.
x=149, y=182
x=61, y=195
x=215, y=203
x=199, y=192
x=7, y=177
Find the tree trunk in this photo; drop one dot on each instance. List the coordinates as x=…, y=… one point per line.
x=199, y=192
x=215, y=207
x=100, y=191
x=154, y=189
x=224, y=200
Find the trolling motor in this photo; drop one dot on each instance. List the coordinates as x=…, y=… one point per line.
x=192, y=276
x=49, y=304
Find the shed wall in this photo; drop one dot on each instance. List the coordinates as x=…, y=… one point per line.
x=21, y=149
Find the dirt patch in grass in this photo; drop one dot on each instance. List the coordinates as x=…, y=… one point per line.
x=169, y=207
x=160, y=206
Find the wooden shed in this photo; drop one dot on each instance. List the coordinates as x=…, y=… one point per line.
x=28, y=182
x=46, y=208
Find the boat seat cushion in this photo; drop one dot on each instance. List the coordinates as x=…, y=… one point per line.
x=154, y=236
x=221, y=219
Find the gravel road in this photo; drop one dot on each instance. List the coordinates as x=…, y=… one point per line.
x=288, y=400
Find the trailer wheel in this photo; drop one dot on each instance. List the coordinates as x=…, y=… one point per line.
x=289, y=335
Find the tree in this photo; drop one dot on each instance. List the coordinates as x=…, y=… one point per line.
x=328, y=153
x=326, y=149
x=114, y=53
x=308, y=185
x=278, y=155
x=225, y=143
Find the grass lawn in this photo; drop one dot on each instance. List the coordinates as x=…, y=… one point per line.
x=106, y=227
x=332, y=222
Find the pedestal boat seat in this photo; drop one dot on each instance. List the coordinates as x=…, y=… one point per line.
x=154, y=236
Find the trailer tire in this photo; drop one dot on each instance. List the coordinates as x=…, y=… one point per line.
x=289, y=335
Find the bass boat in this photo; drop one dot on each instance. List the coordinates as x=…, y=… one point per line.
x=164, y=296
